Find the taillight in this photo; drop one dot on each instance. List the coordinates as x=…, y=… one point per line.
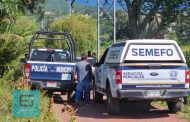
x=118, y=76
x=27, y=70
x=187, y=76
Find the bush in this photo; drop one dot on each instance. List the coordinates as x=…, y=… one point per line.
x=185, y=113
x=14, y=45
x=6, y=90
x=187, y=57
x=82, y=28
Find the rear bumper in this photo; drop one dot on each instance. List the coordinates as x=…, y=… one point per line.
x=60, y=86
x=142, y=94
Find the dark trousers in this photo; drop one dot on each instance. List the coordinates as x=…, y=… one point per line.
x=83, y=87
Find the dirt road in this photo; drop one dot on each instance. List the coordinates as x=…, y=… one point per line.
x=132, y=112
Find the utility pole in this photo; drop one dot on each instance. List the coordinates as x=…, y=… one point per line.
x=70, y=7
x=98, y=29
x=114, y=3
x=114, y=21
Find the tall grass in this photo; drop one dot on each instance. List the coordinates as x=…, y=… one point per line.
x=185, y=113
x=6, y=89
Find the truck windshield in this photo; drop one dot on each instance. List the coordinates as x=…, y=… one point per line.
x=40, y=56
x=61, y=57
x=49, y=56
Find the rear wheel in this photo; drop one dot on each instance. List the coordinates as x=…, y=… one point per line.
x=174, y=106
x=97, y=97
x=49, y=93
x=113, y=105
x=186, y=102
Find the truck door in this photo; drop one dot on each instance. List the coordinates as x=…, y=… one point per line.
x=100, y=70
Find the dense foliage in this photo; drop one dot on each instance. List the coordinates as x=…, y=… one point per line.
x=142, y=13
x=82, y=28
x=16, y=30
x=183, y=28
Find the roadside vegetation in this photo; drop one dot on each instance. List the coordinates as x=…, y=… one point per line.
x=81, y=27
x=16, y=30
x=185, y=113
x=13, y=45
x=17, y=27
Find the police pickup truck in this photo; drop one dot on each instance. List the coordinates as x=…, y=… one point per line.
x=51, y=69
x=142, y=70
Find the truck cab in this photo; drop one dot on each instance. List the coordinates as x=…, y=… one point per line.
x=148, y=69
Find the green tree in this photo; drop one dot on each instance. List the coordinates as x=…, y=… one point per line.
x=9, y=9
x=142, y=13
x=123, y=30
x=15, y=42
x=15, y=30
x=183, y=28
x=82, y=28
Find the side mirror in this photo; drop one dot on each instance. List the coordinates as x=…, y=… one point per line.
x=23, y=61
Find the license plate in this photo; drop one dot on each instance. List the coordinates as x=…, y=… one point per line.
x=153, y=93
x=66, y=77
x=51, y=84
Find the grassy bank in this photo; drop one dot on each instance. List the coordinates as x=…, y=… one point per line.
x=185, y=113
x=8, y=85
x=6, y=89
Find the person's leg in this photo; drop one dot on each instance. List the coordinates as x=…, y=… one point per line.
x=87, y=92
x=79, y=92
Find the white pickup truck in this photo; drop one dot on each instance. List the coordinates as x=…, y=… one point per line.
x=142, y=70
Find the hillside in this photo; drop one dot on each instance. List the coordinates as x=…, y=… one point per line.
x=61, y=7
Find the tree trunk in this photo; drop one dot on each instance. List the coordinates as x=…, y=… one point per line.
x=133, y=23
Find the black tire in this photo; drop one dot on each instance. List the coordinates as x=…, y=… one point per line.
x=113, y=105
x=71, y=94
x=49, y=93
x=174, y=106
x=186, y=102
x=97, y=97
x=32, y=87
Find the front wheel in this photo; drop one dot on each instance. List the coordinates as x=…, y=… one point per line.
x=97, y=97
x=174, y=106
x=113, y=105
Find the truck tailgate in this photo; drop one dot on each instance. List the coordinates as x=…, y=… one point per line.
x=51, y=71
x=172, y=77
